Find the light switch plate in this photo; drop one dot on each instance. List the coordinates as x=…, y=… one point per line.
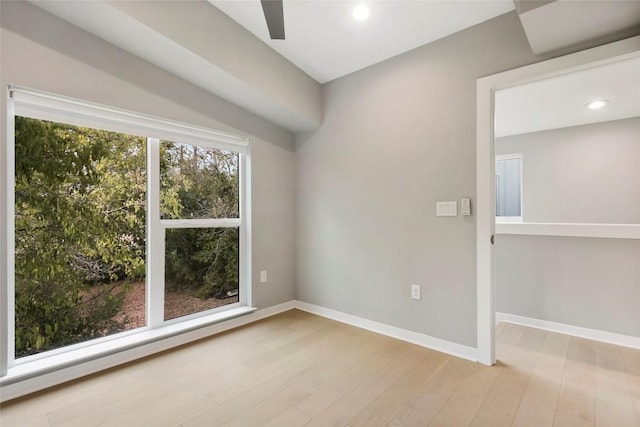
x=465, y=206
x=415, y=292
x=263, y=276
x=447, y=208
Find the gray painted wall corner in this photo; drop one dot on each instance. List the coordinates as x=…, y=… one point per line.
x=397, y=137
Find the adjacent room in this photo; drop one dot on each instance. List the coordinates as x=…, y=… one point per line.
x=568, y=201
x=320, y=212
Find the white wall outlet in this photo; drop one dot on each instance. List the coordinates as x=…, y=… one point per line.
x=263, y=276
x=415, y=292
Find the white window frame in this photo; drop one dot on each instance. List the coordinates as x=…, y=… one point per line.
x=46, y=106
x=512, y=219
x=156, y=233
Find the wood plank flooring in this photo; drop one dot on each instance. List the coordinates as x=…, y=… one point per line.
x=297, y=369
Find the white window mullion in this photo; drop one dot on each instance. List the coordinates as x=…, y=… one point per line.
x=155, y=238
x=201, y=223
x=11, y=245
x=245, y=229
x=7, y=290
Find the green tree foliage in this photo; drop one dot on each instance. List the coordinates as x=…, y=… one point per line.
x=80, y=228
x=205, y=180
x=80, y=206
x=204, y=260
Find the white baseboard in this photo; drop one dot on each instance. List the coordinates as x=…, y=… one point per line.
x=11, y=390
x=576, y=331
x=448, y=347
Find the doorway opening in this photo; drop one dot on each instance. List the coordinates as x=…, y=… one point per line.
x=489, y=89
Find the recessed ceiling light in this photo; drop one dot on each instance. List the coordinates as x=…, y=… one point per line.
x=594, y=105
x=361, y=12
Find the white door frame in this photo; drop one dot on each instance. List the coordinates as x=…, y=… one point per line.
x=485, y=166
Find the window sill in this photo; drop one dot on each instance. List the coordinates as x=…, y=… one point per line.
x=508, y=220
x=606, y=231
x=34, y=368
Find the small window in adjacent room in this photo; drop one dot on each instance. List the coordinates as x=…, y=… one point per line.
x=509, y=188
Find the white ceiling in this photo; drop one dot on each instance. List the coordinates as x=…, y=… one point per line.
x=326, y=42
x=560, y=101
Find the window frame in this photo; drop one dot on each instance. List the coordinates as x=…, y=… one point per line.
x=46, y=106
x=156, y=234
x=512, y=219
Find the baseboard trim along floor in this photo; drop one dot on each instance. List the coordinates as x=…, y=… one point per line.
x=576, y=331
x=448, y=347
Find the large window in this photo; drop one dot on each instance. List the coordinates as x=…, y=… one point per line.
x=120, y=223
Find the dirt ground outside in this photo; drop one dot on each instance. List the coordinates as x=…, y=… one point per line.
x=177, y=304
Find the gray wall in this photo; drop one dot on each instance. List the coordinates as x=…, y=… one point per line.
x=581, y=174
x=42, y=52
x=397, y=137
x=593, y=283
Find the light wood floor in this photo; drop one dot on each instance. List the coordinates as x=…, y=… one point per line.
x=297, y=369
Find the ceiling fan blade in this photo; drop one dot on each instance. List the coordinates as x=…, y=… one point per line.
x=274, y=15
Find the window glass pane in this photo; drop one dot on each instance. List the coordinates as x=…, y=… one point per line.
x=79, y=234
x=201, y=269
x=508, y=187
x=198, y=182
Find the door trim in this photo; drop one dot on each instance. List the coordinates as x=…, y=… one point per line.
x=485, y=166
